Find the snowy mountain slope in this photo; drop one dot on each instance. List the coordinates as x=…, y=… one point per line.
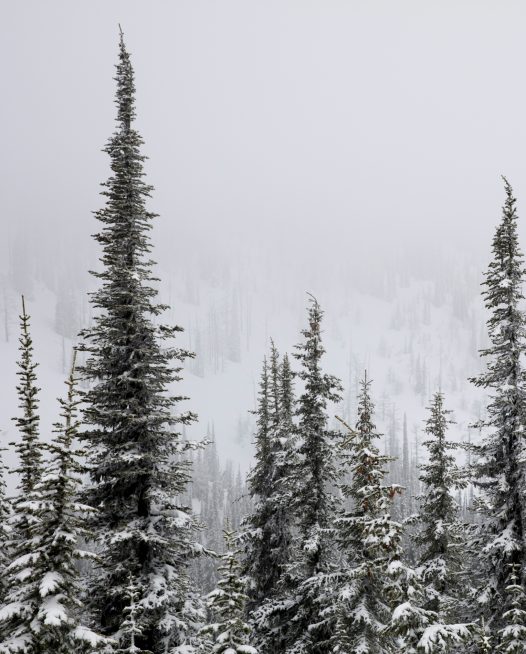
x=414, y=337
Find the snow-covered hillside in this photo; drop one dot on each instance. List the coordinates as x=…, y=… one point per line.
x=413, y=335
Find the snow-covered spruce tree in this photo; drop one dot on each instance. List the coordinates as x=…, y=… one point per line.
x=309, y=629
x=283, y=445
x=25, y=505
x=420, y=631
x=257, y=535
x=429, y=619
x=40, y=614
x=131, y=419
x=482, y=640
x=28, y=447
x=500, y=465
x=229, y=633
x=512, y=637
x=269, y=621
x=130, y=630
x=268, y=533
x=369, y=540
x=441, y=536
x=60, y=531
x=379, y=599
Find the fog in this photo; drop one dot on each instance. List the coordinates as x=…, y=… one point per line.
x=303, y=119
x=293, y=146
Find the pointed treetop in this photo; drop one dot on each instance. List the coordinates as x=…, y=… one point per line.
x=274, y=382
x=125, y=96
x=508, y=220
x=509, y=205
x=315, y=312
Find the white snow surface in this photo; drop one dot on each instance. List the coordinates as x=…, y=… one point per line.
x=390, y=336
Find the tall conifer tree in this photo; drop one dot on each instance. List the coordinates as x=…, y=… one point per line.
x=316, y=446
x=308, y=629
x=28, y=446
x=500, y=467
x=283, y=445
x=132, y=419
x=378, y=600
x=60, y=532
x=441, y=536
x=369, y=539
x=20, y=594
x=257, y=533
x=274, y=512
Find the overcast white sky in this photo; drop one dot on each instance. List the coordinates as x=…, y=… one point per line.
x=331, y=122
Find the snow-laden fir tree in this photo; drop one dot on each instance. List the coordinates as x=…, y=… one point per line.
x=25, y=505
x=132, y=420
x=268, y=531
x=512, y=637
x=379, y=601
x=40, y=614
x=500, y=464
x=483, y=643
x=60, y=532
x=130, y=630
x=28, y=447
x=228, y=632
x=369, y=541
x=283, y=445
x=419, y=630
x=269, y=621
x=428, y=619
x=317, y=441
x=257, y=534
x=309, y=629
x=441, y=536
